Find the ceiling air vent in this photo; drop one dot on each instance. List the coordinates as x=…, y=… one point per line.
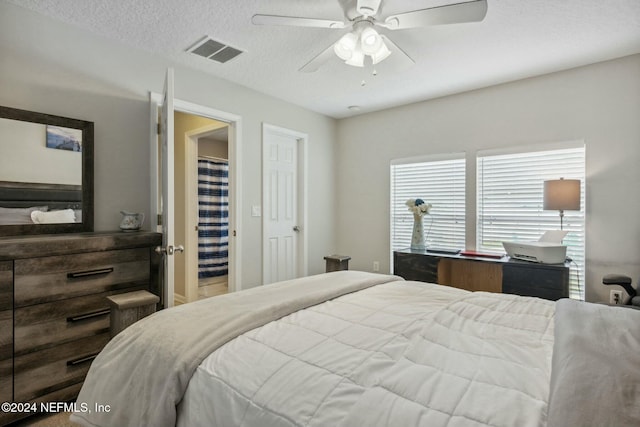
x=214, y=50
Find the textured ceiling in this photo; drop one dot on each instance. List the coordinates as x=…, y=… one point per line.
x=517, y=39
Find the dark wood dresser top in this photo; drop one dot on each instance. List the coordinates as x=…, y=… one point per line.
x=17, y=247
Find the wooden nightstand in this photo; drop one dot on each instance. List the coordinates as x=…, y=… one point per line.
x=337, y=262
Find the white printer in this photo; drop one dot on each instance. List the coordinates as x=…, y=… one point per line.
x=547, y=250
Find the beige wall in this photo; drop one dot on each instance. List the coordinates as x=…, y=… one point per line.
x=213, y=148
x=599, y=104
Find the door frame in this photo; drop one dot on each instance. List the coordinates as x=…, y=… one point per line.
x=235, y=177
x=302, y=266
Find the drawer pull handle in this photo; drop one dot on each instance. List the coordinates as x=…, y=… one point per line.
x=82, y=359
x=89, y=315
x=87, y=273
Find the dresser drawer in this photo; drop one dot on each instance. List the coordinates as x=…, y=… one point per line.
x=6, y=331
x=416, y=267
x=6, y=356
x=6, y=380
x=6, y=285
x=45, y=371
x=46, y=279
x=6, y=334
x=550, y=283
x=44, y=325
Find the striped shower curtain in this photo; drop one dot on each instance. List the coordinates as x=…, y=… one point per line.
x=213, y=222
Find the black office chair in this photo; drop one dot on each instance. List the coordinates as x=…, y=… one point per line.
x=625, y=282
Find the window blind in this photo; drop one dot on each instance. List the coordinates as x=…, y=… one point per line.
x=438, y=181
x=510, y=201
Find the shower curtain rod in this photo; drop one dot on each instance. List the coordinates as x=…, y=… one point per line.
x=220, y=159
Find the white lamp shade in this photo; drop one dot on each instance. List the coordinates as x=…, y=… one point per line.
x=370, y=41
x=562, y=194
x=346, y=46
x=357, y=59
x=381, y=54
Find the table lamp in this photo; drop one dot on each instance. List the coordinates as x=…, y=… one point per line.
x=562, y=194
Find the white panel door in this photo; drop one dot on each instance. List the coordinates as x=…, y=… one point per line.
x=280, y=159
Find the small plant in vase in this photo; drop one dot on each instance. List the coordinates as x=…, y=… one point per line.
x=419, y=209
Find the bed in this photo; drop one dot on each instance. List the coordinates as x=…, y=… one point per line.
x=361, y=349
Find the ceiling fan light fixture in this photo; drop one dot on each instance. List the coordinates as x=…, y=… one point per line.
x=354, y=46
x=381, y=54
x=346, y=46
x=363, y=40
x=357, y=58
x=370, y=41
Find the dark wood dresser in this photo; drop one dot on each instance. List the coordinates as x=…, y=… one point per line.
x=549, y=281
x=54, y=315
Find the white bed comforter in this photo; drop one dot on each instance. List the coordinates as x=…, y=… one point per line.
x=142, y=373
x=399, y=354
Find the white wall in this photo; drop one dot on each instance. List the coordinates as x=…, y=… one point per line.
x=54, y=68
x=599, y=104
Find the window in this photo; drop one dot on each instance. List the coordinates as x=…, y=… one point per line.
x=510, y=199
x=439, y=181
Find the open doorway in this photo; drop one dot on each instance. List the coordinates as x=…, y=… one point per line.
x=212, y=189
x=201, y=176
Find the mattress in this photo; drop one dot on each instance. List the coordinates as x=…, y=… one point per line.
x=397, y=354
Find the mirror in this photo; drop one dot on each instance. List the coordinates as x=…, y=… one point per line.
x=46, y=173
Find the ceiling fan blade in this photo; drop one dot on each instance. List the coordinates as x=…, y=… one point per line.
x=473, y=11
x=296, y=21
x=395, y=48
x=318, y=60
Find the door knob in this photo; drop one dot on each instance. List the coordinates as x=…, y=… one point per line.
x=296, y=228
x=169, y=250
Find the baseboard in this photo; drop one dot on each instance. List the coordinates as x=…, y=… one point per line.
x=208, y=281
x=179, y=299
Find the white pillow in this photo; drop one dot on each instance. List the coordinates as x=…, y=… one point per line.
x=53, y=217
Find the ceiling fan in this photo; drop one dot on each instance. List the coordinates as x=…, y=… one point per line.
x=364, y=42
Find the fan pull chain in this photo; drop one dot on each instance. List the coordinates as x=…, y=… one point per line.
x=374, y=73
